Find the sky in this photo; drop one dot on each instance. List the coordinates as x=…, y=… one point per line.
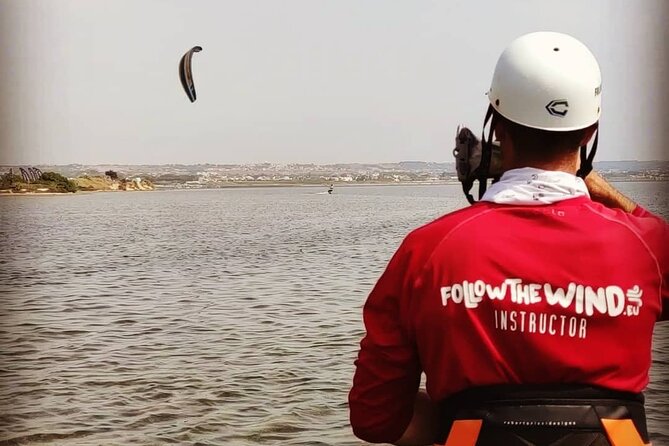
x=300, y=81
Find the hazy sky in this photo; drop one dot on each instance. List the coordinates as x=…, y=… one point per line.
x=300, y=80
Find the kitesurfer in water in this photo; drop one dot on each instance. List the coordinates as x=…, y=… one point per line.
x=530, y=312
x=331, y=189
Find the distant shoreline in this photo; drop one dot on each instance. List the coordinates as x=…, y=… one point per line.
x=267, y=184
x=81, y=192
x=259, y=185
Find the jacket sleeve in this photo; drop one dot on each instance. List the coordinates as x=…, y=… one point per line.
x=659, y=239
x=387, y=372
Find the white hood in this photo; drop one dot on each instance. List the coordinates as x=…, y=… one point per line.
x=530, y=186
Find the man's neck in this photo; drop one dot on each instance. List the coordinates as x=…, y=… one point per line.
x=569, y=165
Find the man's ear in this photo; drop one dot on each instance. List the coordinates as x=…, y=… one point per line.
x=500, y=131
x=587, y=135
x=506, y=144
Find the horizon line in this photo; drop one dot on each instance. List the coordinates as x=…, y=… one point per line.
x=286, y=163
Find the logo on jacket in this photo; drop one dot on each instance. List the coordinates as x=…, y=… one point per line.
x=530, y=305
x=558, y=107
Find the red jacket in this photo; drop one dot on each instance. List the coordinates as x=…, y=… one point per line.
x=501, y=294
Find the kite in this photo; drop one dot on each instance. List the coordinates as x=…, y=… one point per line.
x=186, y=72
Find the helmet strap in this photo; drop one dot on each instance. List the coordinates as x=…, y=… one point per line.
x=483, y=171
x=588, y=158
x=466, y=188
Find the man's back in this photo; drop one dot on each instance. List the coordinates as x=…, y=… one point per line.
x=567, y=292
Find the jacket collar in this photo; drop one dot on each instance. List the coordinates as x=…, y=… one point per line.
x=530, y=186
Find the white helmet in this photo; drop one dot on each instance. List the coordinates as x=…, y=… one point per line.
x=548, y=81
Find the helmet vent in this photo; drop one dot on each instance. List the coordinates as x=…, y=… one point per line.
x=556, y=49
x=497, y=102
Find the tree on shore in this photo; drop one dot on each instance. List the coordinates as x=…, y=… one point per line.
x=112, y=175
x=59, y=182
x=9, y=180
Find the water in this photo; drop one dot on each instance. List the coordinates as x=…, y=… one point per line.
x=205, y=317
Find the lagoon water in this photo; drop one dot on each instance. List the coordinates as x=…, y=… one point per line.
x=206, y=317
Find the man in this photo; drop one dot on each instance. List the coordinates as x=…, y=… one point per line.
x=531, y=312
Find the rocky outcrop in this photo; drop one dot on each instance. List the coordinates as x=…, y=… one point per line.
x=135, y=184
x=88, y=183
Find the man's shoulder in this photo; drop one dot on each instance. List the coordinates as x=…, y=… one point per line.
x=640, y=220
x=437, y=229
x=651, y=229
